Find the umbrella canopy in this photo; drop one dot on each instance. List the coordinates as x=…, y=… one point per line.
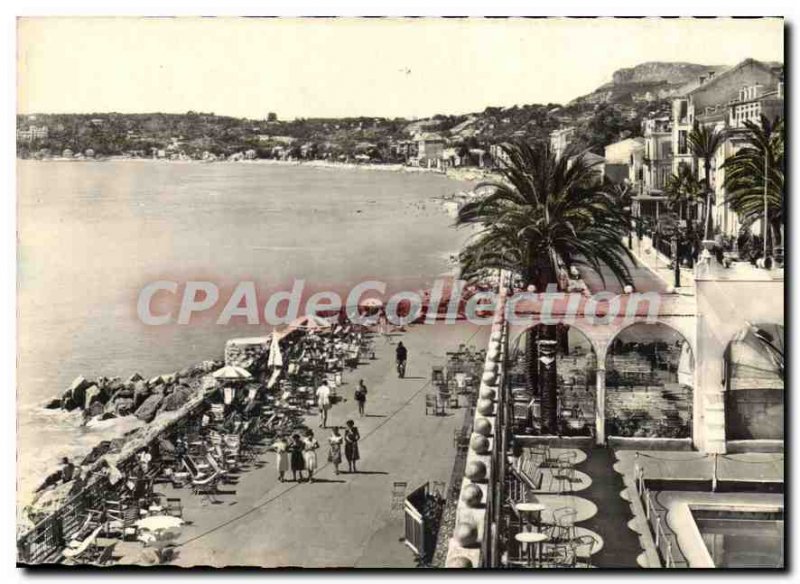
x=232, y=372
x=371, y=303
x=311, y=322
x=158, y=523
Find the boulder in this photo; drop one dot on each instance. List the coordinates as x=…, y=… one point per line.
x=147, y=411
x=134, y=378
x=67, y=401
x=96, y=408
x=77, y=389
x=124, y=407
x=92, y=395
x=179, y=396
x=140, y=392
x=53, y=404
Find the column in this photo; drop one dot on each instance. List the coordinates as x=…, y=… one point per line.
x=600, y=407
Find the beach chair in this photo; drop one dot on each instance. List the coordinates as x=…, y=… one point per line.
x=207, y=487
x=81, y=551
x=174, y=507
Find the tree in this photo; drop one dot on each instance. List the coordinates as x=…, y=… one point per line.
x=543, y=214
x=683, y=190
x=704, y=141
x=745, y=174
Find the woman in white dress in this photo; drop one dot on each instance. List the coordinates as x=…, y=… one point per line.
x=281, y=457
x=310, y=454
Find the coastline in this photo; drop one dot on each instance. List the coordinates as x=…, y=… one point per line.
x=462, y=173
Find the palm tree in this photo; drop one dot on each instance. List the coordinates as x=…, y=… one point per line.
x=704, y=141
x=683, y=190
x=745, y=176
x=543, y=213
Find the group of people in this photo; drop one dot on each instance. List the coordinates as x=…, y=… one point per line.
x=299, y=454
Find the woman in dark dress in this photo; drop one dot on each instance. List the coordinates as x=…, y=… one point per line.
x=296, y=460
x=351, y=438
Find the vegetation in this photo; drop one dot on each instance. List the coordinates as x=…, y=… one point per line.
x=546, y=214
x=704, y=141
x=761, y=162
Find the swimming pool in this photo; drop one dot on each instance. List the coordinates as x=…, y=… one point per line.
x=742, y=539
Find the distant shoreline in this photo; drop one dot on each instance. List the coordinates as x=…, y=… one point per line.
x=468, y=174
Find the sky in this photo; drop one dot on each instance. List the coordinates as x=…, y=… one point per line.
x=247, y=67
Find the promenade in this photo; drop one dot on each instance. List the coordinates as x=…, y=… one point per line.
x=344, y=520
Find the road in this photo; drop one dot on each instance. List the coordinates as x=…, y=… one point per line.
x=345, y=520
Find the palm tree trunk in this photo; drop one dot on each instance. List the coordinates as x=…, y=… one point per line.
x=547, y=348
x=709, y=227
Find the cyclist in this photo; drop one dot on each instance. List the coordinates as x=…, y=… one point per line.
x=402, y=356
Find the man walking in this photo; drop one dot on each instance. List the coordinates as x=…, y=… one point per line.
x=402, y=356
x=323, y=403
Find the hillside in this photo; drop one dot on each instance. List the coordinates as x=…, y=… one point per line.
x=646, y=82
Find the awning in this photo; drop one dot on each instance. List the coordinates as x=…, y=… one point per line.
x=754, y=358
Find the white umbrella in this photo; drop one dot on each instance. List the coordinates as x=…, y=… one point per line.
x=310, y=322
x=371, y=303
x=232, y=372
x=275, y=357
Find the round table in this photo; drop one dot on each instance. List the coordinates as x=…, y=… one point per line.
x=534, y=509
x=530, y=539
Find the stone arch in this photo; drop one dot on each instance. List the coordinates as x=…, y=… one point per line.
x=649, y=382
x=754, y=383
x=575, y=370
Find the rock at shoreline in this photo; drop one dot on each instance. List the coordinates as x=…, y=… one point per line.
x=134, y=378
x=147, y=411
x=91, y=395
x=75, y=395
x=179, y=396
x=140, y=393
x=54, y=404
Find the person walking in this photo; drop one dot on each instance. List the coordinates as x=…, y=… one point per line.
x=323, y=403
x=402, y=357
x=335, y=448
x=281, y=457
x=310, y=446
x=351, y=438
x=296, y=460
x=361, y=396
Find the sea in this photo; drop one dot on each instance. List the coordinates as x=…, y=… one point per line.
x=92, y=234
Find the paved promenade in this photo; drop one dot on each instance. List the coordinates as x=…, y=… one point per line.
x=345, y=520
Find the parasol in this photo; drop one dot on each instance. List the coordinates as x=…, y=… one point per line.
x=232, y=372
x=275, y=356
x=311, y=322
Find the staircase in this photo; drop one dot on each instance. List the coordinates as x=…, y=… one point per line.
x=714, y=420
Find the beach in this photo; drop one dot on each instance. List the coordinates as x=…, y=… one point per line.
x=92, y=234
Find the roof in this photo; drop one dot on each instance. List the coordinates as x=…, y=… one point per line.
x=769, y=67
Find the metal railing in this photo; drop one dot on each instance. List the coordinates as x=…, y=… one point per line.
x=655, y=520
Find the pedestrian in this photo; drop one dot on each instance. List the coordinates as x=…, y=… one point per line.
x=323, y=403
x=281, y=457
x=351, y=438
x=361, y=396
x=310, y=446
x=401, y=354
x=67, y=471
x=296, y=460
x=335, y=448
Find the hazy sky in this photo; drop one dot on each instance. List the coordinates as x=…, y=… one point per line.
x=334, y=67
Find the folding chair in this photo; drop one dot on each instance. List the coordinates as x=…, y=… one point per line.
x=398, y=495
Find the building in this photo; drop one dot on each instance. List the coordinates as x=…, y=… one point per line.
x=430, y=149
x=560, y=139
x=33, y=133
x=620, y=159
x=657, y=159
x=725, y=101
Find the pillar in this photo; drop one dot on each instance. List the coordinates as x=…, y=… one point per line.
x=600, y=407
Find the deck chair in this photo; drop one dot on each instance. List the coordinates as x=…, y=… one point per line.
x=174, y=507
x=207, y=487
x=79, y=550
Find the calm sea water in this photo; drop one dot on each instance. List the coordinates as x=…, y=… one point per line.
x=91, y=234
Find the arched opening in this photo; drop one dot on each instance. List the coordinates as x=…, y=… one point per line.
x=649, y=378
x=753, y=377
x=552, y=377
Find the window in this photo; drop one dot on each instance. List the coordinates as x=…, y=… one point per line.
x=682, y=146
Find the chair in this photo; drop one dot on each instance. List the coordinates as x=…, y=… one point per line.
x=432, y=404
x=563, y=527
x=583, y=547
x=81, y=551
x=460, y=439
x=207, y=487
x=174, y=507
x=562, y=476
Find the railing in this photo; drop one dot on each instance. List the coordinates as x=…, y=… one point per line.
x=655, y=520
